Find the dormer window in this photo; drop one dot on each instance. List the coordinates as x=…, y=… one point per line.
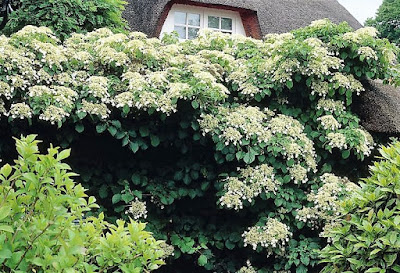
x=187, y=21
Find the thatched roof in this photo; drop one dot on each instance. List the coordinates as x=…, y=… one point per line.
x=379, y=108
x=273, y=15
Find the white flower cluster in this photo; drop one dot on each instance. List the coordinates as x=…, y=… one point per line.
x=321, y=88
x=3, y=109
x=331, y=106
x=360, y=35
x=5, y=90
x=295, y=145
x=234, y=125
x=98, y=88
x=84, y=60
x=367, y=53
x=326, y=200
x=97, y=109
x=168, y=249
x=329, y=122
x=358, y=139
x=366, y=142
x=278, y=67
x=20, y=110
x=242, y=122
x=51, y=55
x=137, y=209
x=337, y=140
x=250, y=183
x=53, y=114
x=348, y=82
x=248, y=268
x=320, y=23
x=272, y=235
x=298, y=174
x=321, y=61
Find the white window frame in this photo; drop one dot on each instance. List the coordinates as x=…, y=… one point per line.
x=220, y=16
x=186, y=25
x=169, y=24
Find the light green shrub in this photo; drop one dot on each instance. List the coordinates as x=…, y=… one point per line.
x=367, y=237
x=43, y=223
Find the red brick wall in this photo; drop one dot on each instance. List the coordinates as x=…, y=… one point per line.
x=249, y=17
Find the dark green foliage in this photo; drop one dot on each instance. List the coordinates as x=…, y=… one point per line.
x=367, y=239
x=387, y=21
x=67, y=16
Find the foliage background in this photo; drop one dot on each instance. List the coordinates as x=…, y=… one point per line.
x=158, y=121
x=67, y=16
x=387, y=21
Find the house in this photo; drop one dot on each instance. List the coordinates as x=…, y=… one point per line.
x=379, y=106
x=254, y=18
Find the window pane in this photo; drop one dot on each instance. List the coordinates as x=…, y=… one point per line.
x=180, y=18
x=192, y=32
x=213, y=22
x=194, y=19
x=181, y=31
x=226, y=23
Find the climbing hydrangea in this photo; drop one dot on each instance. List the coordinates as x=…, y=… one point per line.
x=272, y=235
x=248, y=185
x=325, y=200
x=265, y=108
x=137, y=209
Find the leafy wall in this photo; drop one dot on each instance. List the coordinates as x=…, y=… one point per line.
x=233, y=149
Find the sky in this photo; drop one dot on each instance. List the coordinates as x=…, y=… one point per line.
x=361, y=9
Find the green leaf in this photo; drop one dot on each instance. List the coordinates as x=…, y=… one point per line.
x=289, y=84
x=374, y=269
x=113, y=131
x=195, y=104
x=6, y=170
x=79, y=127
x=301, y=269
x=202, y=261
x=5, y=253
x=100, y=128
x=345, y=154
x=116, y=198
x=127, y=197
x=134, y=146
x=6, y=228
x=249, y=157
x=125, y=141
x=396, y=268
x=305, y=260
x=103, y=191
x=116, y=123
x=155, y=141
x=82, y=115
x=144, y=131
x=229, y=245
x=5, y=211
